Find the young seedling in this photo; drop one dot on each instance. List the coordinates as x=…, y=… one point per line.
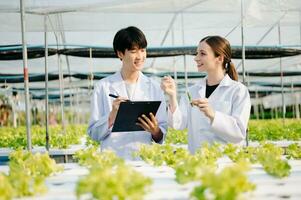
x=189, y=98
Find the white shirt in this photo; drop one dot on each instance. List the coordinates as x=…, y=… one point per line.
x=130, y=89
x=231, y=103
x=123, y=143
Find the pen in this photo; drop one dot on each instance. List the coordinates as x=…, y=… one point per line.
x=115, y=96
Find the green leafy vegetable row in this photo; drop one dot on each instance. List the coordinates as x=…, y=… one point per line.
x=109, y=177
x=259, y=130
x=27, y=174
x=202, y=166
x=16, y=137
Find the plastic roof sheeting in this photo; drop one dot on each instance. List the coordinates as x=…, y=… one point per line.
x=169, y=23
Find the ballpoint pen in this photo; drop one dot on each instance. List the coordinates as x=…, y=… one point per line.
x=115, y=96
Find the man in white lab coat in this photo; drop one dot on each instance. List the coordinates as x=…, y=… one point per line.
x=217, y=108
x=127, y=84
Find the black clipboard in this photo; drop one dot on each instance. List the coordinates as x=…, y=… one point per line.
x=128, y=113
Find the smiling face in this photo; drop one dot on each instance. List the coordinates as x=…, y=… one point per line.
x=133, y=60
x=205, y=59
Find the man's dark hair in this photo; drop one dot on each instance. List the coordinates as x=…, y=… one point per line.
x=129, y=38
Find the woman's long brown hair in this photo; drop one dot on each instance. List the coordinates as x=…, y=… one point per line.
x=221, y=47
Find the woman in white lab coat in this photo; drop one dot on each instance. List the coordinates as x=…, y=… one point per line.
x=217, y=108
x=128, y=84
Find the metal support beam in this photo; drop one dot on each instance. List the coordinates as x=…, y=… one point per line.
x=26, y=82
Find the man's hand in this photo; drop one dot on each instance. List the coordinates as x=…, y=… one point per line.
x=115, y=107
x=168, y=85
x=151, y=125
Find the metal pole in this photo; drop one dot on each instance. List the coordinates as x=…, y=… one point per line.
x=175, y=76
x=26, y=82
x=297, y=96
x=77, y=105
x=270, y=29
x=61, y=83
x=293, y=98
x=297, y=106
x=185, y=65
x=46, y=83
x=233, y=29
x=262, y=111
x=91, y=76
x=61, y=28
x=243, y=43
x=261, y=39
x=243, y=55
x=256, y=104
x=14, y=111
x=60, y=79
x=300, y=26
x=165, y=36
x=281, y=77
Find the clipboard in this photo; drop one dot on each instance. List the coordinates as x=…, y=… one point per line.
x=128, y=113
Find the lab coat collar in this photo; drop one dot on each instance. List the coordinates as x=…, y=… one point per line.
x=119, y=86
x=226, y=81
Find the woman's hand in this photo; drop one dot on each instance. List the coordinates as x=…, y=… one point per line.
x=115, y=107
x=204, y=106
x=151, y=125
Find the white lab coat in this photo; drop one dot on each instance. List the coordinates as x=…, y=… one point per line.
x=123, y=143
x=231, y=103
